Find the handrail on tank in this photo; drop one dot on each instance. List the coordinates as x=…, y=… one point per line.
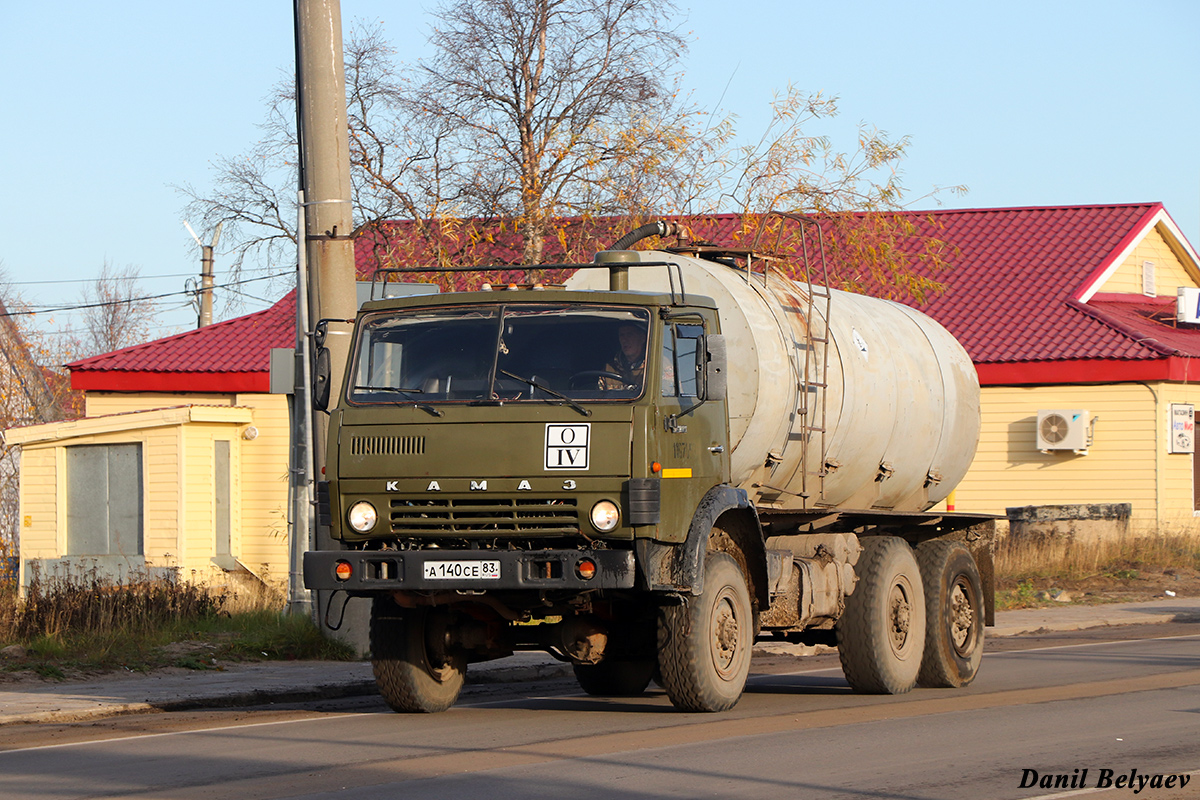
x=803, y=221
x=382, y=275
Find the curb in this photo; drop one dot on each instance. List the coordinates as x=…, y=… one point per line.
x=258, y=697
x=1118, y=617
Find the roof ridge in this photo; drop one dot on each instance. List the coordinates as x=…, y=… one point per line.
x=1006, y=209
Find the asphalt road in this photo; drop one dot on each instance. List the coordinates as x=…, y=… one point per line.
x=1054, y=706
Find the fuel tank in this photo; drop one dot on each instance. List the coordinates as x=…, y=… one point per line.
x=837, y=400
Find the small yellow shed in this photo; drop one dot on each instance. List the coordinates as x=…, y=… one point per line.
x=179, y=465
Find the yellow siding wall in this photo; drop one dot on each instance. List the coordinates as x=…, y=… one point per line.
x=264, y=488
x=97, y=404
x=39, y=506
x=1177, y=509
x=1128, y=461
x=160, y=487
x=1169, y=270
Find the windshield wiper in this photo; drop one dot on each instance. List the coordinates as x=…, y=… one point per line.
x=587, y=412
x=409, y=392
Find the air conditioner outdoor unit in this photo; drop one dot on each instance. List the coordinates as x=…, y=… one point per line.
x=1187, y=304
x=1063, y=430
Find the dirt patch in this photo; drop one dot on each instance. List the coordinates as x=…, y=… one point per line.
x=1120, y=584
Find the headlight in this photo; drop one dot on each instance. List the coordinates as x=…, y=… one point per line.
x=362, y=516
x=605, y=516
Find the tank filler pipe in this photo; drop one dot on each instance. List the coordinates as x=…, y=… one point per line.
x=659, y=228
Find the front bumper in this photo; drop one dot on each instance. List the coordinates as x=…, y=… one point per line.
x=387, y=570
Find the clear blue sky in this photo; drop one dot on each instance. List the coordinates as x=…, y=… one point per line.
x=1027, y=103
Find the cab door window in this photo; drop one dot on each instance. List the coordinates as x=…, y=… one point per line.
x=681, y=360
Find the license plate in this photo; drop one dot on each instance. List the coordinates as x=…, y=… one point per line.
x=461, y=570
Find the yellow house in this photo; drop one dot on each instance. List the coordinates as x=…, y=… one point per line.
x=1072, y=317
x=179, y=464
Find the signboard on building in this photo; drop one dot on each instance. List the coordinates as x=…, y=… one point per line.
x=1183, y=428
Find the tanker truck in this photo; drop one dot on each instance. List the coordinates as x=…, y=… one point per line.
x=646, y=470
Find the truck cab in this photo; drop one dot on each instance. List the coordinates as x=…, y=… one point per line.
x=499, y=453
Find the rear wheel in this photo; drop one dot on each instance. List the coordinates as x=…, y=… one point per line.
x=705, y=653
x=881, y=635
x=953, y=614
x=615, y=677
x=413, y=668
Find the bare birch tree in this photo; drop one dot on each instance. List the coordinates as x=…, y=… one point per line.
x=117, y=312
x=543, y=95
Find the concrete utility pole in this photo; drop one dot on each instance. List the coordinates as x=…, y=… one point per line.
x=325, y=182
x=206, y=274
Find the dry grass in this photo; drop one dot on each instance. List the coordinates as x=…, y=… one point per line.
x=1042, y=572
x=78, y=600
x=1018, y=560
x=81, y=621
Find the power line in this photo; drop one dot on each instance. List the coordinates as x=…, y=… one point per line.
x=52, y=309
x=98, y=280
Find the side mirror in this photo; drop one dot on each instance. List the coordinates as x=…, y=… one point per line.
x=321, y=380
x=715, y=367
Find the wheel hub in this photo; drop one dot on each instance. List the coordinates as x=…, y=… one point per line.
x=900, y=617
x=962, y=619
x=725, y=635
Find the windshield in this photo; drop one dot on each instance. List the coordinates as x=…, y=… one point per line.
x=518, y=353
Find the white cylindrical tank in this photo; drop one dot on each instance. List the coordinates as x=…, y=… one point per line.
x=900, y=406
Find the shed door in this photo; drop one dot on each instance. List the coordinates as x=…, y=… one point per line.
x=104, y=500
x=222, y=492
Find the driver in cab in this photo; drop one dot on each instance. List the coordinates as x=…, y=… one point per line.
x=630, y=360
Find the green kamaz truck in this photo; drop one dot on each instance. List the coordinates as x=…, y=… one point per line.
x=646, y=469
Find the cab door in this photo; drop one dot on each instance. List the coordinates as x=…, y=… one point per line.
x=690, y=435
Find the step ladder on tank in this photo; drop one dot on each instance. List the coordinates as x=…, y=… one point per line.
x=813, y=368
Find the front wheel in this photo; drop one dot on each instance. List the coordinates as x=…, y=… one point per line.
x=704, y=656
x=953, y=614
x=881, y=634
x=413, y=668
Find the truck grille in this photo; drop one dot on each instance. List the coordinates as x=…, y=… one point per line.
x=387, y=445
x=525, y=515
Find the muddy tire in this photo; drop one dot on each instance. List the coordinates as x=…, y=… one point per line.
x=414, y=674
x=616, y=677
x=704, y=654
x=881, y=635
x=953, y=614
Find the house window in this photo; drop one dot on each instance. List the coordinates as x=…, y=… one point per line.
x=1148, y=285
x=104, y=500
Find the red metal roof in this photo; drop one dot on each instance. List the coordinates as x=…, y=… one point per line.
x=230, y=356
x=1008, y=297
x=1019, y=298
